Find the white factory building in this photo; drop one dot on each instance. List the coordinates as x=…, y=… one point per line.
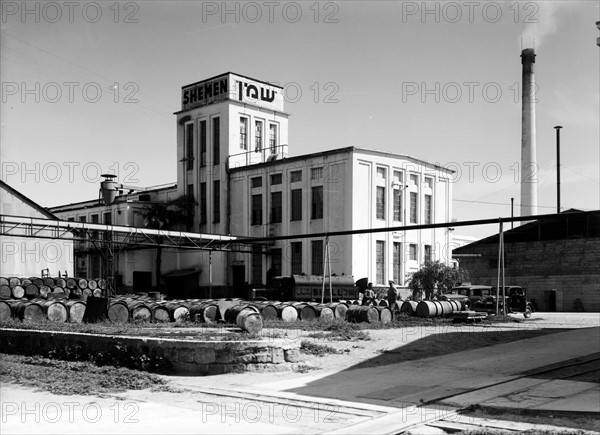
x=234, y=161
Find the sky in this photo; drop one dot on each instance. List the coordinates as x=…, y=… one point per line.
x=91, y=87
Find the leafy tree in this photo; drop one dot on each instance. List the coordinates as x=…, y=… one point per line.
x=165, y=216
x=434, y=275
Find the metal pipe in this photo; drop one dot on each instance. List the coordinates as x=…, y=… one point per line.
x=557, y=170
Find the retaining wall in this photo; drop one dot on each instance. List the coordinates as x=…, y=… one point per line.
x=182, y=356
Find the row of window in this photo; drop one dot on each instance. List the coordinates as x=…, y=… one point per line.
x=295, y=176
x=316, y=264
x=258, y=135
x=380, y=206
x=188, y=140
x=276, y=206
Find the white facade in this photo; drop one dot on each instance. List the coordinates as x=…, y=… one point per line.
x=233, y=131
x=25, y=257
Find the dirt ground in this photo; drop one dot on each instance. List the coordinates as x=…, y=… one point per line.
x=387, y=346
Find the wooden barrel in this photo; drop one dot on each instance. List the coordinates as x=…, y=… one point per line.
x=75, y=293
x=61, y=282
x=383, y=303
x=268, y=311
x=385, y=314
x=27, y=311
x=71, y=283
x=32, y=291
x=324, y=313
x=456, y=305
x=97, y=292
x=118, y=312
x=76, y=310
x=160, y=313
x=49, y=282
x=249, y=321
x=139, y=311
x=396, y=307
x=339, y=309
x=232, y=312
x=178, y=311
x=25, y=282
x=286, y=312
x=38, y=281
x=359, y=314
x=82, y=283
x=204, y=312
x=101, y=284
x=5, y=292
x=55, y=311
x=4, y=281
x=14, y=281
x=86, y=293
x=308, y=312
x=17, y=292
x=429, y=309
x=44, y=290
x=92, y=284
x=446, y=308
x=5, y=311
x=409, y=307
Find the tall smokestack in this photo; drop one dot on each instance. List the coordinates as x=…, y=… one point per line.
x=528, y=137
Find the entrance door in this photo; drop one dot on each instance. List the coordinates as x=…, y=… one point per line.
x=239, y=280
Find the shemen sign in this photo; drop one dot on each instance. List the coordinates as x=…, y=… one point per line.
x=200, y=93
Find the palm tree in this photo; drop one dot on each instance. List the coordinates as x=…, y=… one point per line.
x=164, y=216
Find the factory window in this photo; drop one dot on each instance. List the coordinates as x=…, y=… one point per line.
x=276, y=179
x=429, y=182
x=397, y=262
x=258, y=136
x=202, y=133
x=381, y=173
x=257, y=205
x=316, y=173
x=412, y=252
x=275, y=207
x=397, y=205
x=202, y=203
x=189, y=145
x=427, y=210
x=414, y=179
x=295, y=176
x=273, y=138
x=316, y=248
x=380, y=261
x=276, y=262
x=427, y=253
x=317, y=203
x=296, y=258
x=95, y=220
x=216, y=201
x=398, y=177
x=107, y=221
x=296, y=205
x=413, y=207
x=71, y=219
x=380, y=205
x=256, y=265
x=243, y=133
x=190, y=192
x=83, y=220
x=216, y=127
x=256, y=182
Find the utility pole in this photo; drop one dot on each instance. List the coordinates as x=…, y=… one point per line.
x=558, y=127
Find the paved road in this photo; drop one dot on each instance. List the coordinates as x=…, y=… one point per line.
x=385, y=399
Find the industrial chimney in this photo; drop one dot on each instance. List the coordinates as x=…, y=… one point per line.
x=528, y=137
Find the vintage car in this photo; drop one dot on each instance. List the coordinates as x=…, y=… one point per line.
x=516, y=301
x=467, y=294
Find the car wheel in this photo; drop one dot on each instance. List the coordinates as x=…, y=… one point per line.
x=527, y=313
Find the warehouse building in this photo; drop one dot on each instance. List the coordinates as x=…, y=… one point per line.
x=27, y=253
x=556, y=260
x=234, y=167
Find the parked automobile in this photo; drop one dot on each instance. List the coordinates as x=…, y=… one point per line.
x=516, y=297
x=467, y=294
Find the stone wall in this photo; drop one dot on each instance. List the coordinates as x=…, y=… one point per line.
x=183, y=356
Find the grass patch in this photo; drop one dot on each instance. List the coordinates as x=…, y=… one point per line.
x=73, y=377
x=311, y=348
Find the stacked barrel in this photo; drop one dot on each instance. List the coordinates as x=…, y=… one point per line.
x=55, y=299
